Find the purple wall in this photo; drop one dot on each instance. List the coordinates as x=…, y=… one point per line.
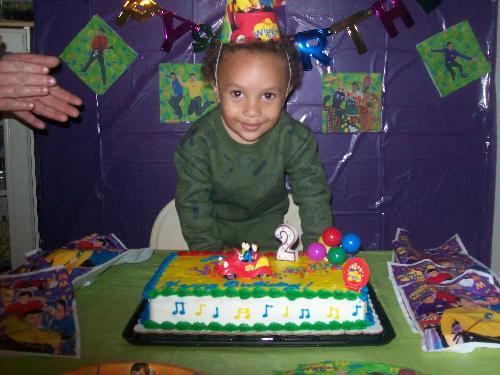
x=431, y=170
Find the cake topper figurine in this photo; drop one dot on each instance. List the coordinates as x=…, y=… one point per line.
x=247, y=263
x=288, y=237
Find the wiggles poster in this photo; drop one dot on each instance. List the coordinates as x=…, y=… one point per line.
x=352, y=102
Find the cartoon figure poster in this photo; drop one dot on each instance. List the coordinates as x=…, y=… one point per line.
x=98, y=55
x=184, y=96
x=351, y=102
x=453, y=58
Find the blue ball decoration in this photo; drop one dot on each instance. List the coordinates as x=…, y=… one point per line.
x=351, y=243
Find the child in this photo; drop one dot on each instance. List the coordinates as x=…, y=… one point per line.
x=231, y=165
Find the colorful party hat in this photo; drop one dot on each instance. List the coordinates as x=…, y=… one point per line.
x=250, y=20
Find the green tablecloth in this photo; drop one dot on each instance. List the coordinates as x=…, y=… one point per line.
x=105, y=307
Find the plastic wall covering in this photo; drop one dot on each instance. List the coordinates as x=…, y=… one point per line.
x=430, y=170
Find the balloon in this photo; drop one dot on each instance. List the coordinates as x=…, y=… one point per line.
x=201, y=42
x=332, y=237
x=351, y=243
x=314, y=49
x=336, y=255
x=387, y=17
x=316, y=251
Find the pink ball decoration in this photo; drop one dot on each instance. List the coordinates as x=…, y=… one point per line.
x=316, y=251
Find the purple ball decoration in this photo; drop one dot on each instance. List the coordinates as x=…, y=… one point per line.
x=351, y=243
x=316, y=251
x=336, y=255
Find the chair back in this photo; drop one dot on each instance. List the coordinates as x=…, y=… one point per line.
x=167, y=235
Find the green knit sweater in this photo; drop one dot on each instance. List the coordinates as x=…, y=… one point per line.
x=229, y=192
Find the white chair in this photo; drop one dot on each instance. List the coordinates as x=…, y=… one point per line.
x=167, y=234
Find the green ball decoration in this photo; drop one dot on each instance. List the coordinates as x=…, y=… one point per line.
x=336, y=255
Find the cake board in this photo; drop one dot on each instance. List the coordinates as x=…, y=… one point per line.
x=261, y=339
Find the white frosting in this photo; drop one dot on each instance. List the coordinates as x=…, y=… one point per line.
x=224, y=310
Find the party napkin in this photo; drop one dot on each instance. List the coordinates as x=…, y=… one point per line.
x=348, y=368
x=38, y=313
x=446, y=295
x=85, y=258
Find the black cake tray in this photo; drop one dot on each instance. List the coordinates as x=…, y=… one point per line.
x=258, y=339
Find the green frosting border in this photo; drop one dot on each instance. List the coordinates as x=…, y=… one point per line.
x=258, y=327
x=257, y=292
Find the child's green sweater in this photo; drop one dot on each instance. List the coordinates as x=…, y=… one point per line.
x=229, y=192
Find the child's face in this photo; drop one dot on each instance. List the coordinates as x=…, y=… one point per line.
x=252, y=88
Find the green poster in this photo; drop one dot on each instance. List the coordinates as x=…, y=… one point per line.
x=351, y=102
x=453, y=58
x=184, y=96
x=98, y=55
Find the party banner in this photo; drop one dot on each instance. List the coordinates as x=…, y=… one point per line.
x=352, y=102
x=453, y=58
x=98, y=55
x=184, y=96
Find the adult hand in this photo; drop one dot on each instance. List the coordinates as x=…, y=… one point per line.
x=29, y=92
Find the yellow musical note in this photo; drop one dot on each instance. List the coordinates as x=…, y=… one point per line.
x=330, y=313
x=245, y=311
x=285, y=314
x=198, y=312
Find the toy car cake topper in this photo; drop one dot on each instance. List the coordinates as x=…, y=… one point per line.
x=246, y=263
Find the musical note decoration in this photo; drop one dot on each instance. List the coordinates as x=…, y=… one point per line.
x=305, y=314
x=266, y=313
x=357, y=307
x=179, y=309
x=200, y=309
x=285, y=313
x=330, y=313
x=288, y=236
x=243, y=311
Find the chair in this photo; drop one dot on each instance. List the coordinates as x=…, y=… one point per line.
x=166, y=232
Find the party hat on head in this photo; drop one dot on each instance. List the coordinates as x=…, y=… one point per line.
x=250, y=20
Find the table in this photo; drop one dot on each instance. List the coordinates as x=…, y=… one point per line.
x=105, y=307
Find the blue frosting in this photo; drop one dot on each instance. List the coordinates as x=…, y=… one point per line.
x=156, y=277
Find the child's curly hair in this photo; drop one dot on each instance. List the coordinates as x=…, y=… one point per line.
x=281, y=48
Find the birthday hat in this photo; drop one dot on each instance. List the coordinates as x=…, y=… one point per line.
x=250, y=20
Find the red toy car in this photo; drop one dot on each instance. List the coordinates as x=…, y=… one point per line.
x=234, y=266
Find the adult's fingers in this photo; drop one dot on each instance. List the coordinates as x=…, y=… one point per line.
x=49, y=111
x=22, y=91
x=58, y=105
x=29, y=119
x=31, y=58
x=11, y=104
x=65, y=96
x=24, y=77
